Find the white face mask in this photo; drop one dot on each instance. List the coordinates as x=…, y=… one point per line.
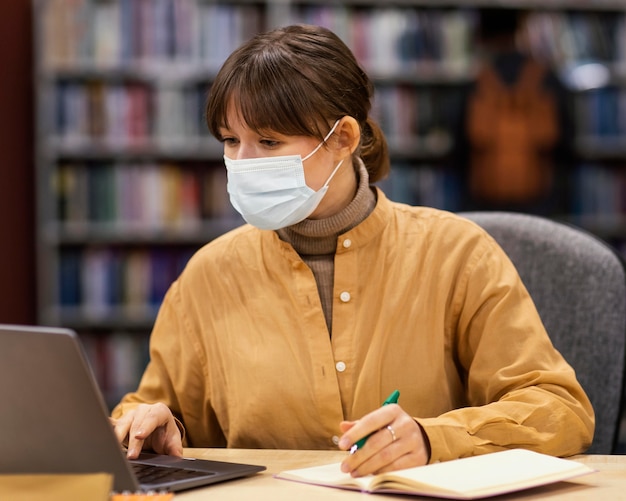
x=271, y=192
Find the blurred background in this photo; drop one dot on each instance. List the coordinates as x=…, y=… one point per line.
x=109, y=180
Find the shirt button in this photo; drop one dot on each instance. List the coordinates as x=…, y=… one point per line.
x=344, y=296
x=340, y=366
x=347, y=243
x=335, y=439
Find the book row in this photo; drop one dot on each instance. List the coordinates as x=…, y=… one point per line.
x=389, y=39
x=148, y=196
x=408, y=114
x=599, y=190
x=153, y=197
x=118, y=33
x=392, y=39
x=117, y=361
x=125, y=115
x=601, y=112
x=428, y=185
x=594, y=192
x=569, y=38
x=121, y=32
x=100, y=281
x=131, y=114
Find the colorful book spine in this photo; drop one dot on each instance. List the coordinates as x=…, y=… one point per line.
x=117, y=361
x=100, y=281
x=141, y=196
x=123, y=33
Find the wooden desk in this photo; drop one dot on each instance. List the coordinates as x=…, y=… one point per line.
x=608, y=483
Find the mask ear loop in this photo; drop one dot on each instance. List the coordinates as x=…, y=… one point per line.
x=323, y=141
x=333, y=173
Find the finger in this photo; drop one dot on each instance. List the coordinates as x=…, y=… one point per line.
x=148, y=418
x=120, y=428
x=383, y=453
x=174, y=442
x=154, y=427
x=372, y=456
x=167, y=439
x=135, y=446
x=385, y=458
x=145, y=420
x=369, y=424
x=174, y=448
x=344, y=426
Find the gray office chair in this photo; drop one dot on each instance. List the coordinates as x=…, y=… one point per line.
x=578, y=284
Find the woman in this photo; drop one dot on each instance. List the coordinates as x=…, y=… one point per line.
x=290, y=331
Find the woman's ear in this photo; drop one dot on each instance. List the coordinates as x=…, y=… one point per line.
x=348, y=134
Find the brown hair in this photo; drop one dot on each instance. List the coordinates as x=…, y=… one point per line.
x=298, y=80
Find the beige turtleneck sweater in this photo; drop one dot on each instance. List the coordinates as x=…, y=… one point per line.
x=315, y=240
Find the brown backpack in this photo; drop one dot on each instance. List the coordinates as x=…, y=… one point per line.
x=511, y=130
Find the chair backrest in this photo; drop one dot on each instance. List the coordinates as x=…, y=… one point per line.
x=578, y=284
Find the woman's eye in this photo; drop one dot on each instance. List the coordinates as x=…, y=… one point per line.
x=230, y=141
x=269, y=143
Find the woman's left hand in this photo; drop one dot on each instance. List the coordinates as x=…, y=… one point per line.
x=396, y=441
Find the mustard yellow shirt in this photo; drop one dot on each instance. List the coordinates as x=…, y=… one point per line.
x=424, y=302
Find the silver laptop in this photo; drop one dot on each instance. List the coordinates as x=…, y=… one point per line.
x=53, y=419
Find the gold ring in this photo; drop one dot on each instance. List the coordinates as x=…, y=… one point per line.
x=393, y=433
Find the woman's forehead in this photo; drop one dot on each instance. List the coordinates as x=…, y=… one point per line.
x=235, y=120
x=243, y=111
x=237, y=114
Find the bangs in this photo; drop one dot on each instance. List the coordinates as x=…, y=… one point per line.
x=269, y=93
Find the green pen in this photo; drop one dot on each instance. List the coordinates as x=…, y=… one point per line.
x=391, y=399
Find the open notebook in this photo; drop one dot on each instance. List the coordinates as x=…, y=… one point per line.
x=467, y=478
x=55, y=420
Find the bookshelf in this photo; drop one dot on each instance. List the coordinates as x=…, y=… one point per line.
x=129, y=183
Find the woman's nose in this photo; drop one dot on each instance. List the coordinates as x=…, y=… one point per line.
x=246, y=151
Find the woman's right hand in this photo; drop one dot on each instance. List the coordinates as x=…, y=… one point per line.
x=149, y=426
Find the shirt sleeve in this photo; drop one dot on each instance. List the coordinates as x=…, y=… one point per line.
x=520, y=391
x=176, y=371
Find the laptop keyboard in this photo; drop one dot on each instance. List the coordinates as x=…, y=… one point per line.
x=152, y=474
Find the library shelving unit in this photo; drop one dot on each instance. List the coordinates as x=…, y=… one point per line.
x=129, y=183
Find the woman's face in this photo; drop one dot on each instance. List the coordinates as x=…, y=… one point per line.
x=241, y=142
